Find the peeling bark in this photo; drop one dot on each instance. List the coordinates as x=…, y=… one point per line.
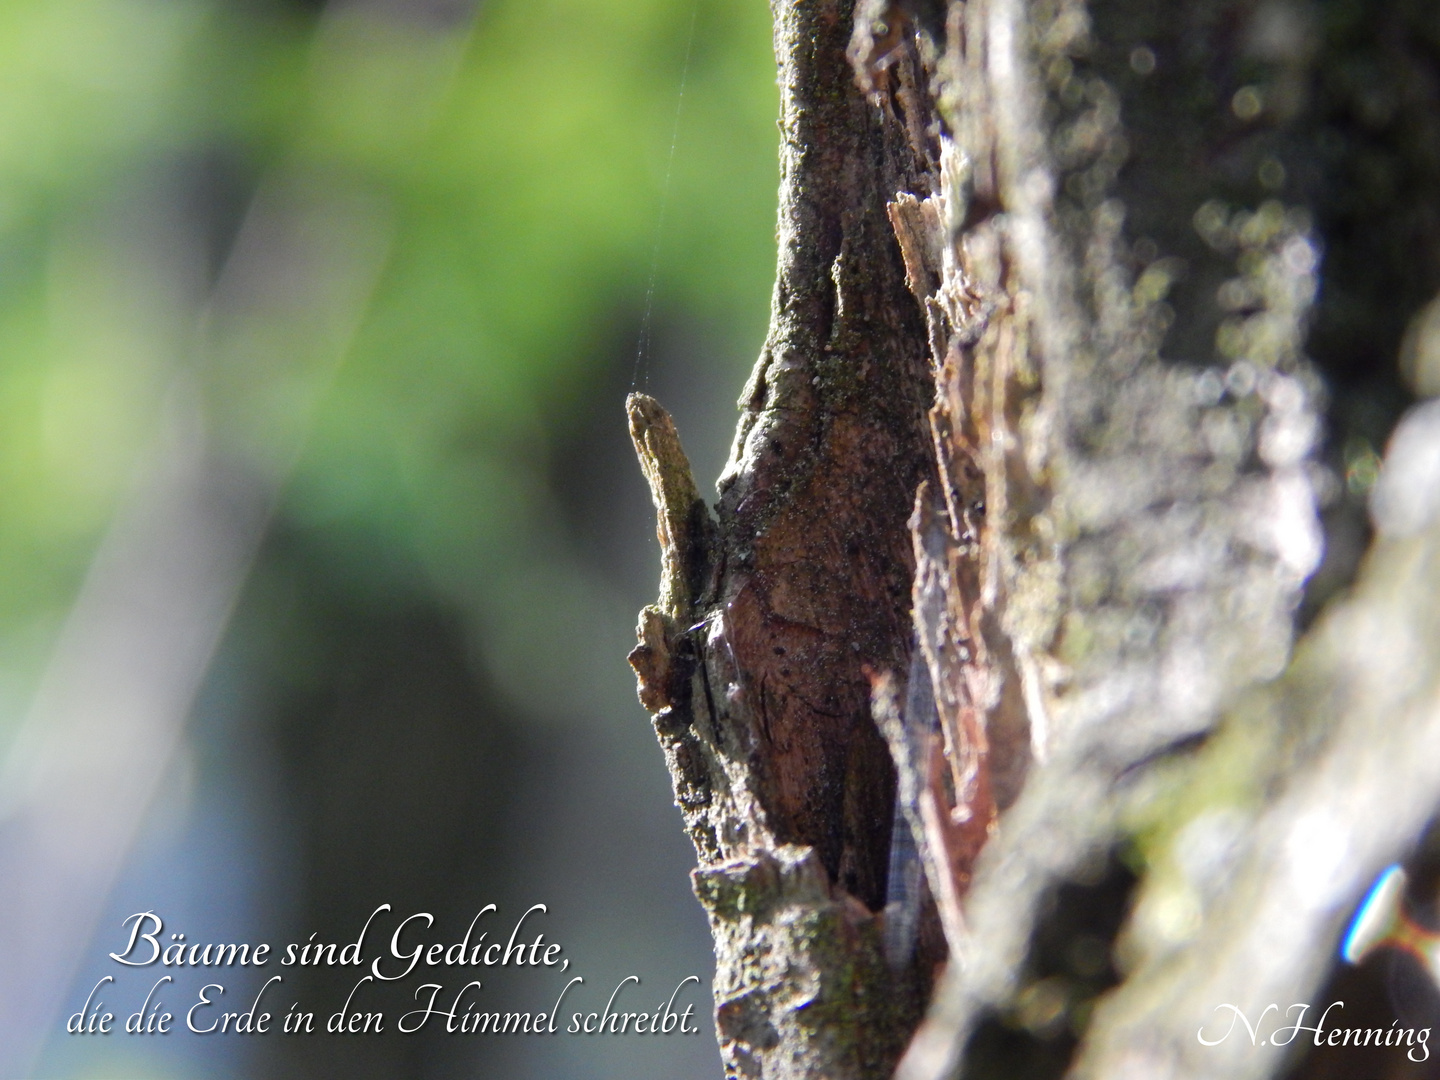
x=1050, y=290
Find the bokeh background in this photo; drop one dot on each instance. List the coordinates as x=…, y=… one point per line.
x=321, y=539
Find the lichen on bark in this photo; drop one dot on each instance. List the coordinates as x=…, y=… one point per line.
x=1072, y=335
x=1137, y=283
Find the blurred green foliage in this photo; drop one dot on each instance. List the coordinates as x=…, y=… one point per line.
x=519, y=160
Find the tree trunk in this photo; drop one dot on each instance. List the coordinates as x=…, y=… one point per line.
x=1037, y=446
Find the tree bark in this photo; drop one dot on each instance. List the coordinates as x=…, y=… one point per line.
x=1041, y=422
x=754, y=662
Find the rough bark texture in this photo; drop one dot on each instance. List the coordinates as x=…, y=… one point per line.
x=1139, y=285
x=1149, y=525
x=1158, y=254
x=756, y=673
x=1144, y=280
